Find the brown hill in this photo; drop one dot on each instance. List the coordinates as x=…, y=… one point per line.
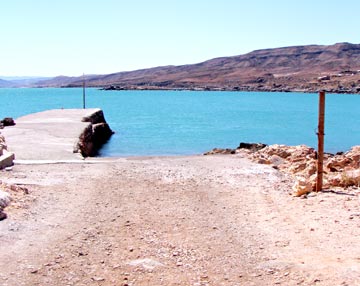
x=335, y=68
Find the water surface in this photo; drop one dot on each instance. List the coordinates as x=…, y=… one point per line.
x=192, y=122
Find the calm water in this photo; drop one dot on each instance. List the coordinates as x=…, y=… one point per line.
x=185, y=122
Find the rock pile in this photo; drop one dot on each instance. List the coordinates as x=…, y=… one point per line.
x=340, y=170
x=300, y=160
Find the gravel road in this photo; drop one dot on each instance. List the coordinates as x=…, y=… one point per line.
x=200, y=220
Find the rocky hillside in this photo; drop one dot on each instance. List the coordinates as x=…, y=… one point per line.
x=335, y=68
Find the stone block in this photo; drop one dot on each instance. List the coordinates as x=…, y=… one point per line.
x=6, y=159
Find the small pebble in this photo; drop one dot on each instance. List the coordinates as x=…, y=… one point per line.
x=98, y=279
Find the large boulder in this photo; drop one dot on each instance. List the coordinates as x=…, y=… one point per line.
x=301, y=187
x=7, y=121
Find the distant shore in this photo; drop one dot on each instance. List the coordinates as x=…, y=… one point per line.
x=333, y=68
x=234, y=89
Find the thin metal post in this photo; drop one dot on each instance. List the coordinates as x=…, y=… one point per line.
x=321, y=133
x=84, y=101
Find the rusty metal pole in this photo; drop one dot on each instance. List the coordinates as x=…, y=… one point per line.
x=84, y=96
x=321, y=128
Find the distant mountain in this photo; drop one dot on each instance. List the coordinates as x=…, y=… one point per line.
x=5, y=83
x=18, y=78
x=59, y=81
x=335, y=68
x=19, y=81
x=28, y=81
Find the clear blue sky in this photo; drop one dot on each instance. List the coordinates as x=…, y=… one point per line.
x=69, y=37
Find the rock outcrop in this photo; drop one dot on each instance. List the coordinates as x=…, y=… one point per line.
x=94, y=135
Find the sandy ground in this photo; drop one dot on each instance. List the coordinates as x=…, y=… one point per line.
x=202, y=220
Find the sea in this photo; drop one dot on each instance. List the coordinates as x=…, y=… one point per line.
x=159, y=123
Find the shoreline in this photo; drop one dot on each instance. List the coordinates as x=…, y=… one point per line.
x=201, y=89
x=76, y=135
x=223, y=89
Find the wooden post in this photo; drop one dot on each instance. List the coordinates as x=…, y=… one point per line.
x=321, y=127
x=84, y=96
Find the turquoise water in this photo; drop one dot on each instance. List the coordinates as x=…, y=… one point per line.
x=186, y=122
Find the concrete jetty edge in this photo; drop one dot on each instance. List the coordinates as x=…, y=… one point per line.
x=96, y=134
x=59, y=134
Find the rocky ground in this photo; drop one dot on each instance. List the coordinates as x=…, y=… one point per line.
x=341, y=170
x=202, y=220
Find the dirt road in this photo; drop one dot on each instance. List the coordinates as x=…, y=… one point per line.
x=203, y=220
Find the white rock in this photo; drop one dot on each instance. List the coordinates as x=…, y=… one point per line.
x=146, y=263
x=5, y=200
x=301, y=187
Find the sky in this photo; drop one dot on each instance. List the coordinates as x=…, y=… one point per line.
x=72, y=37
